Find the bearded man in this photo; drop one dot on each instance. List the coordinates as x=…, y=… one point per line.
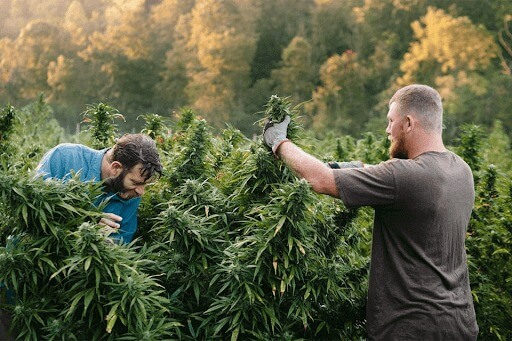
x=125, y=170
x=423, y=198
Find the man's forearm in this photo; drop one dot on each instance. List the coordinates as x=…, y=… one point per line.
x=306, y=166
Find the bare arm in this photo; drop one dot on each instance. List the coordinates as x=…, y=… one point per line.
x=306, y=166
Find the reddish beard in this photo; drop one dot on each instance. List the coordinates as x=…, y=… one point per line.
x=398, y=149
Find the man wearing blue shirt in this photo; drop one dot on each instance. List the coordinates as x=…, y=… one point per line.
x=125, y=170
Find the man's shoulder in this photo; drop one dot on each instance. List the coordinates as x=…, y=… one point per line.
x=431, y=167
x=66, y=158
x=72, y=148
x=75, y=151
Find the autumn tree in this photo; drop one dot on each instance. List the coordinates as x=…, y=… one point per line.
x=295, y=76
x=339, y=102
x=125, y=55
x=386, y=21
x=171, y=24
x=25, y=60
x=505, y=39
x=164, y=18
x=452, y=55
x=277, y=24
x=445, y=45
x=222, y=34
x=5, y=25
x=75, y=22
x=333, y=28
x=379, y=32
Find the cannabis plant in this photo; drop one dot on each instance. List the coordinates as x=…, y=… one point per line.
x=7, y=121
x=100, y=119
x=231, y=245
x=62, y=275
x=274, y=277
x=154, y=126
x=489, y=243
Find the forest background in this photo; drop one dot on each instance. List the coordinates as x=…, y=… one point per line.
x=290, y=264
x=223, y=59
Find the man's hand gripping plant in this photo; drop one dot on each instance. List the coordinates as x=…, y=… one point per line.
x=279, y=125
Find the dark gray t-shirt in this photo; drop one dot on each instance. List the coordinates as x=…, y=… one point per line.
x=419, y=285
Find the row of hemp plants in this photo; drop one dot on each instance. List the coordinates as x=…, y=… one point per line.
x=247, y=250
x=231, y=245
x=489, y=238
x=61, y=278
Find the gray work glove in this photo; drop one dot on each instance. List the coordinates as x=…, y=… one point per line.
x=345, y=164
x=275, y=133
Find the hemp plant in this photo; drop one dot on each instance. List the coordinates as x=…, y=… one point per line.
x=100, y=119
x=64, y=278
x=7, y=121
x=275, y=278
x=154, y=126
x=277, y=108
x=192, y=155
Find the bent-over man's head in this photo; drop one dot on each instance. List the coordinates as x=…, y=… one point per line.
x=134, y=162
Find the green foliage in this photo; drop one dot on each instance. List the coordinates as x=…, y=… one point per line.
x=224, y=59
x=34, y=130
x=246, y=249
x=231, y=245
x=102, y=127
x=154, y=126
x=372, y=150
x=489, y=246
x=67, y=278
x=489, y=239
x=7, y=121
x=470, y=144
x=277, y=108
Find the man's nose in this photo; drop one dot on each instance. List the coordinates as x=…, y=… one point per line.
x=139, y=190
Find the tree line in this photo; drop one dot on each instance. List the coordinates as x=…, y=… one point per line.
x=223, y=59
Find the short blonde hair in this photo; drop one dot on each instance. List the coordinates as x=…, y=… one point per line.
x=424, y=103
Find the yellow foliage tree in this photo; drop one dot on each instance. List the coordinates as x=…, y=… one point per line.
x=455, y=56
x=339, y=102
x=296, y=74
x=25, y=60
x=222, y=34
x=445, y=46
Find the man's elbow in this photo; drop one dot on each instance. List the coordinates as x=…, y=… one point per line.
x=325, y=184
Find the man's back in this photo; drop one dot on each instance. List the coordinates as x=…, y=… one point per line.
x=419, y=286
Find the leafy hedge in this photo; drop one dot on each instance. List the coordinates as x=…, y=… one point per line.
x=231, y=245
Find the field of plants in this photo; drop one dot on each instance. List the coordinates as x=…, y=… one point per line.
x=231, y=245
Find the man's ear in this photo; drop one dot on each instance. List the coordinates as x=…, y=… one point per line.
x=410, y=123
x=116, y=168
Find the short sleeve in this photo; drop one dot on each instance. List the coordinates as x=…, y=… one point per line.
x=369, y=186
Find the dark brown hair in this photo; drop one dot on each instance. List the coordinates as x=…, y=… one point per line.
x=133, y=149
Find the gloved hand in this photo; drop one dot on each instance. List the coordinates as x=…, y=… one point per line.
x=275, y=133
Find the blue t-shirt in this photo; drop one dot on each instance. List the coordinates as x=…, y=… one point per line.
x=62, y=161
